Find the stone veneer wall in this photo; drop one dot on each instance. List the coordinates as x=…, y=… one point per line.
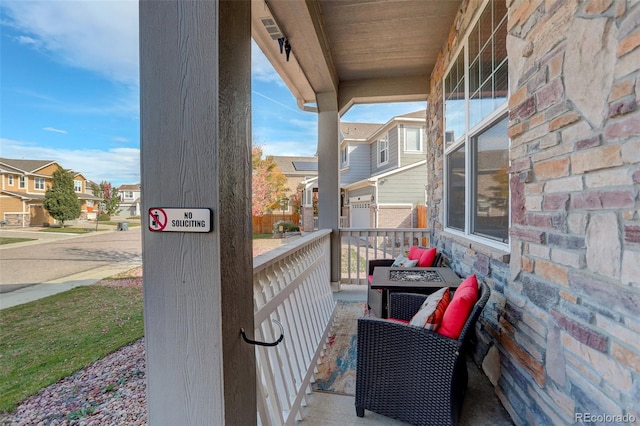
x=560, y=336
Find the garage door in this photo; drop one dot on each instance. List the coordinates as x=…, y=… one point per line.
x=360, y=214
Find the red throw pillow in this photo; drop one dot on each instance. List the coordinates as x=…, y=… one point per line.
x=458, y=310
x=427, y=258
x=430, y=314
x=415, y=252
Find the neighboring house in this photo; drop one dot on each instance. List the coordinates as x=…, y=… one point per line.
x=130, y=199
x=383, y=172
x=23, y=185
x=298, y=170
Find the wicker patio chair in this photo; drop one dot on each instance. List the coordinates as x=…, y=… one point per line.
x=410, y=373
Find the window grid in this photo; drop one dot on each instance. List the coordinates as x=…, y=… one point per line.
x=383, y=151
x=344, y=156
x=39, y=183
x=22, y=182
x=476, y=195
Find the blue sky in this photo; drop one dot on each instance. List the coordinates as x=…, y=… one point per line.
x=69, y=91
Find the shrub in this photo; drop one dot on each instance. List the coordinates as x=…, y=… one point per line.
x=104, y=217
x=286, y=226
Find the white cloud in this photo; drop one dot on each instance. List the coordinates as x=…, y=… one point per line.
x=29, y=41
x=121, y=139
x=53, y=129
x=261, y=68
x=99, y=36
x=287, y=147
x=116, y=165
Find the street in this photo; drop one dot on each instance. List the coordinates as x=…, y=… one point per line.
x=60, y=255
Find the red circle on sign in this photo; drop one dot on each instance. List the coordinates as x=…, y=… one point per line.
x=157, y=219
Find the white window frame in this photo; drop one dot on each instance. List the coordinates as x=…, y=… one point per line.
x=344, y=157
x=10, y=180
x=38, y=183
x=464, y=140
x=420, y=139
x=383, y=147
x=77, y=185
x=22, y=182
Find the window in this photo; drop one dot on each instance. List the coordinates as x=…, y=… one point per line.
x=77, y=185
x=383, y=151
x=10, y=183
x=39, y=183
x=475, y=132
x=22, y=182
x=128, y=194
x=344, y=156
x=491, y=193
x=413, y=139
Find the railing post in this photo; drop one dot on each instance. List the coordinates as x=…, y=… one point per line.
x=360, y=245
x=292, y=285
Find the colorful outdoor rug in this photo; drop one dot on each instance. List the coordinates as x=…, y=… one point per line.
x=337, y=370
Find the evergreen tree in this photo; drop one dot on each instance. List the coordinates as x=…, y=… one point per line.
x=61, y=200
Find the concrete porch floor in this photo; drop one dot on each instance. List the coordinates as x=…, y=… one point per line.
x=481, y=405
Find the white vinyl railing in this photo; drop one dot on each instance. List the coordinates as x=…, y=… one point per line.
x=360, y=245
x=291, y=284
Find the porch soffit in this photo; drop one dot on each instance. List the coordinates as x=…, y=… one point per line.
x=365, y=51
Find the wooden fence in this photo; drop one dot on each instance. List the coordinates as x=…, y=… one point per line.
x=264, y=224
x=422, y=217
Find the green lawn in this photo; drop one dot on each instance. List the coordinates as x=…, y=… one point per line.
x=51, y=338
x=354, y=259
x=5, y=240
x=112, y=223
x=70, y=230
x=262, y=236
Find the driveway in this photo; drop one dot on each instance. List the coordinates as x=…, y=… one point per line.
x=55, y=255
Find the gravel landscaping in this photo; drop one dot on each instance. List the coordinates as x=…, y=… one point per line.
x=111, y=391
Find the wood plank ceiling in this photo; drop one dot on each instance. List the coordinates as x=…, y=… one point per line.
x=363, y=50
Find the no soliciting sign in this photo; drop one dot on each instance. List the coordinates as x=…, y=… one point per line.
x=163, y=219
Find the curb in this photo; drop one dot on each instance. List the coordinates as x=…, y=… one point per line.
x=59, y=285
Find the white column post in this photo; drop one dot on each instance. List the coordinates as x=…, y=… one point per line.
x=328, y=175
x=195, y=68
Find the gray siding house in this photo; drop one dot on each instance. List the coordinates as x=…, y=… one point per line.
x=383, y=172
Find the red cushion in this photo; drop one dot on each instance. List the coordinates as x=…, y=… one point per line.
x=458, y=310
x=415, y=252
x=470, y=281
x=427, y=258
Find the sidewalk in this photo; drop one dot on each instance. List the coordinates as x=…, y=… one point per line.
x=53, y=262
x=38, y=291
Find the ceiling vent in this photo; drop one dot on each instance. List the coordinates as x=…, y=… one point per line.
x=272, y=28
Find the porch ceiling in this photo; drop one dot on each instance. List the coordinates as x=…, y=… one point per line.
x=365, y=51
